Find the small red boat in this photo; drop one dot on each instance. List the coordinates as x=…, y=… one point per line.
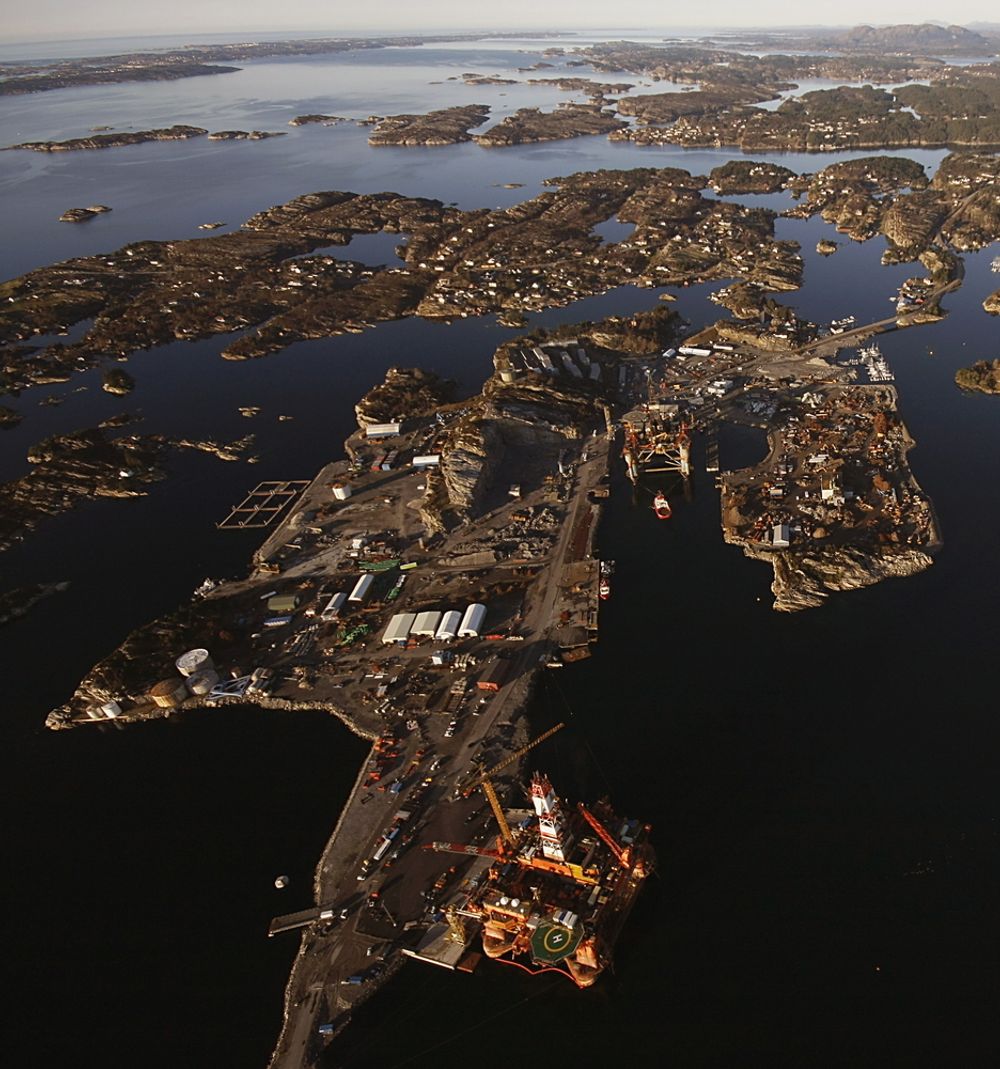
x=604, y=590
x=661, y=506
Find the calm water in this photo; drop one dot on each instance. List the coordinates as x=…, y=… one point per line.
x=822, y=785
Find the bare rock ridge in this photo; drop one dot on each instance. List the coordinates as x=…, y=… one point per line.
x=178, y=132
x=805, y=579
x=532, y=124
x=447, y=126
x=405, y=393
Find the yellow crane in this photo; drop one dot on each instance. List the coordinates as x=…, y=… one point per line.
x=484, y=780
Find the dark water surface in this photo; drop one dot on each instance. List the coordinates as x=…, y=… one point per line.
x=822, y=785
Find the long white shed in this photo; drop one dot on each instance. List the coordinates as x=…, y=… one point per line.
x=361, y=588
x=472, y=621
x=426, y=624
x=448, y=628
x=332, y=608
x=399, y=627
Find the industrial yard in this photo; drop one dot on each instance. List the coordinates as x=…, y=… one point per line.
x=416, y=589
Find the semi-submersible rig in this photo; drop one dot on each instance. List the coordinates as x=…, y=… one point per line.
x=560, y=885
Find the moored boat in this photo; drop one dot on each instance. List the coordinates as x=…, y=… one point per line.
x=661, y=506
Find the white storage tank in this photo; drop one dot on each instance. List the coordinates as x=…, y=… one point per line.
x=194, y=661
x=341, y=491
x=472, y=621
x=361, y=588
x=448, y=628
x=426, y=624
x=201, y=683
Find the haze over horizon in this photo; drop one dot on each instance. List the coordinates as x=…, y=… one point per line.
x=59, y=19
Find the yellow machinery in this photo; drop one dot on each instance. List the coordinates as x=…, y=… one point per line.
x=484, y=781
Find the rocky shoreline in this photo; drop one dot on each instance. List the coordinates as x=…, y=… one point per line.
x=529, y=125
x=260, y=283
x=178, y=132
x=72, y=469
x=982, y=377
x=448, y=126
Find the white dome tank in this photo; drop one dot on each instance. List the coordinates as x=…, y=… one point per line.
x=194, y=661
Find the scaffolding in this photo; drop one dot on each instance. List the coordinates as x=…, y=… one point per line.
x=262, y=505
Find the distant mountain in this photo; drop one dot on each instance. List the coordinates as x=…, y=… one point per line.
x=925, y=37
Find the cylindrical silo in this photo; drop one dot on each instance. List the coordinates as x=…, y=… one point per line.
x=194, y=661
x=201, y=683
x=169, y=693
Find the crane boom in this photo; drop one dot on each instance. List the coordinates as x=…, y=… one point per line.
x=483, y=780
x=511, y=758
x=541, y=864
x=604, y=834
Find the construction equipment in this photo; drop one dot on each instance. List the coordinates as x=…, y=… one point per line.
x=624, y=856
x=542, y=864
x=506, y=838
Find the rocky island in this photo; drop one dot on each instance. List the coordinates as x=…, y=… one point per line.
x=177, y=132
x=448, y=126
x=190, y=62
x=323, y=120
x=261, y=283
x=71, y=469
x=983, y=376
x=117, y=381
x=532, y=124
x=81, y=215
x=244, y=135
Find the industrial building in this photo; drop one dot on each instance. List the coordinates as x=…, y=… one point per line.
x=448, y=628
x=361, y=588
x=426, y=624
x=382, y=430
x=399, y=628
x=472, y=621
x=332, y=608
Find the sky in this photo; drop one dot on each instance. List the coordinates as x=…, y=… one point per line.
x=61, y=19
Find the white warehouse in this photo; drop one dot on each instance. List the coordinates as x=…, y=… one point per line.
x=399, y=627
x=448, y=628
x=472, y=621
x=361, y=588
x=426, y=625
x=333, y=606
